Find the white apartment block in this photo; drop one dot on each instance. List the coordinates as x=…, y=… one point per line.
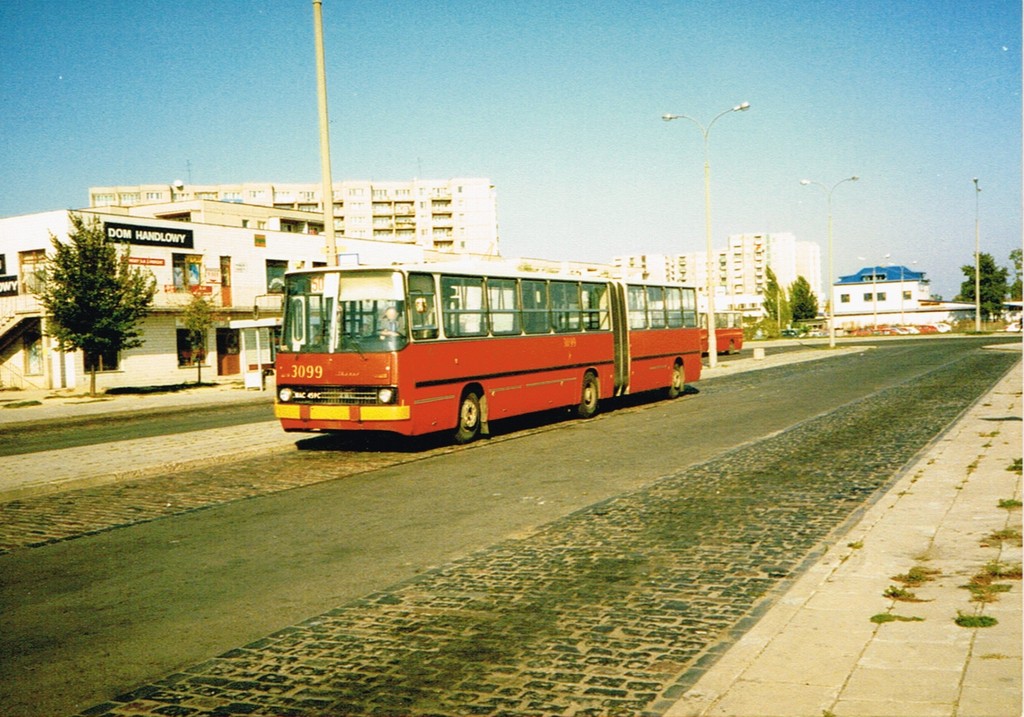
x=448, y=215
x=740, y=269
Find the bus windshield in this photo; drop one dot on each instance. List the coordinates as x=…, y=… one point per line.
x=333, y=313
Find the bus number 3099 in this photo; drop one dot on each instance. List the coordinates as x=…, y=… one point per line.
x=299, y=371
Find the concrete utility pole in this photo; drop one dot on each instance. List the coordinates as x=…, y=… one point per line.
x=327, y=192
x=977, y=261
x=831, y=271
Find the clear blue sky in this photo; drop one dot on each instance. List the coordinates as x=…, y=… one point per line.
x=558, y=103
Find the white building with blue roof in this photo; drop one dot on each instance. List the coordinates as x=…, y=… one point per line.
x=891, y=296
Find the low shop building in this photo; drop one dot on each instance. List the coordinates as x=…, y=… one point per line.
x=240, y=268
x=891, y=296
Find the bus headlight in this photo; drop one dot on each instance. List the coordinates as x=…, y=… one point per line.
x=285, y=395
x=386, y=395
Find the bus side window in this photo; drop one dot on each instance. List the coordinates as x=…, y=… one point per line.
x=503, y=307
x=636, y=305
x=422, y=307
x=690, y=308
x=565, y=306
x=536, y=318
x=595, y=306
x=656, y=307
x=674, y=306
x=463, y=306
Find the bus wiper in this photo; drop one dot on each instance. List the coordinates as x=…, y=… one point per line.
x=355, y=344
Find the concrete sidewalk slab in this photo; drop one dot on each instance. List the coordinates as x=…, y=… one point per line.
x=817, y=652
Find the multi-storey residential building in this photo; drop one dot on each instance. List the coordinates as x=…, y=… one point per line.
x=740, y=269
x=448, y=215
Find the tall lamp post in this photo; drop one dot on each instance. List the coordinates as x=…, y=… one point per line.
x=330, y=246
x=831, y=277
x=977, y=261
x=712, y=339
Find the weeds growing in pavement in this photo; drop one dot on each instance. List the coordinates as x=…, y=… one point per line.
x=917, y=576
x=900, y=594
x=983, y=590
x=965, y=620
x=1010, y=503
x=1004, y=571
x=1007, y=535
x=884, y=617
x=1016, y=467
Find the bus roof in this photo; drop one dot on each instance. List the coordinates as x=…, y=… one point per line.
x=484, y=269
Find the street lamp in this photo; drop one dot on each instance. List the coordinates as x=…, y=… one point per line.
x=831, y=278
x=903, y=293
x=712, y=339
x=977, y=262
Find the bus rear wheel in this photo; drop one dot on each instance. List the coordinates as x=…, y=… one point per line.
x=678, y=385
x=589, y=397
x=469, y=419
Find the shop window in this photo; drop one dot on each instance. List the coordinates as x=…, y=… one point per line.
x=31, y=263
x=101, y=360
x=188, y=271
x=186, y=354
x=275, y=275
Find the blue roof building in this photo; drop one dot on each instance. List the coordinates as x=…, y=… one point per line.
x=890, y=296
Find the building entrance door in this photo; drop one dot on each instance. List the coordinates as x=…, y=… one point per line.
x=227, y=352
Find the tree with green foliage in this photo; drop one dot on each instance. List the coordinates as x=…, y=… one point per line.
x=1015, y=287
x=93, y=297
x=993, y=286
x=776, y=307
x=802, y=301
x=198, y=318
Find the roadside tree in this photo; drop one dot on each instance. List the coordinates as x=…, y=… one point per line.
x=802, y=301
x=777, y=310
x=198, y=318
x=93, y=297
x=1015, y=287
x=993, y=286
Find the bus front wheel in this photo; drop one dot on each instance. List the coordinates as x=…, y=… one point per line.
x=469, y=419
x=589, y=397
x=678, y=385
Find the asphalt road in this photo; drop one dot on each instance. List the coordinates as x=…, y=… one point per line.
x=15, y=440
x=84, y=620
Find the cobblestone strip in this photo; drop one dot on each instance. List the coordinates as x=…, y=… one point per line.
x=613, y=610
x=36, y=521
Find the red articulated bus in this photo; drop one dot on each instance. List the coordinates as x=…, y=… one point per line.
x=728, y=332
x=420, y=349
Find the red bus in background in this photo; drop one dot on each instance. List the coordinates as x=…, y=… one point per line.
x=421, y=349
x=728, y=334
